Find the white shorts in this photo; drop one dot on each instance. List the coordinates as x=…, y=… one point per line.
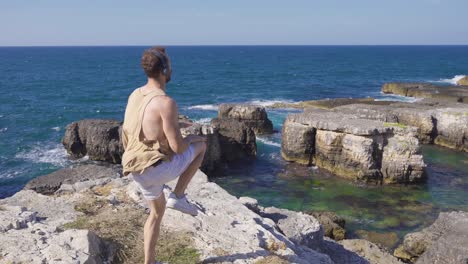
x=151, y=182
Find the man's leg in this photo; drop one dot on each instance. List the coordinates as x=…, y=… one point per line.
x=187, y=175
x=152, y=227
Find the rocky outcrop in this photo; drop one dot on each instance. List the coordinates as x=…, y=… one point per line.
x=437, y=123
x=426, y=90
x=329, y=103
x=463, y=81
x=445, y=241
x=236, y=140
x=99, y=139
x=253, y=116
x=333, y=225
x=49, y=229
x=228, y=140
x=359, y=149
x=75, y=177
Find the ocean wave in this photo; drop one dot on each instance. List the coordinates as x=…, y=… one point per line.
x=268, y=142
x=3, y=129
x=267, y=103
x=395, y=97
x=203, y=121
x=209, y=107
x=453, y=81
x=52, y=153
x=55, y=128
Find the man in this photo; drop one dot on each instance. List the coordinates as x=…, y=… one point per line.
x=155, y=151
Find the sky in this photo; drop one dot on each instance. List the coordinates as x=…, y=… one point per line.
x=235, y=22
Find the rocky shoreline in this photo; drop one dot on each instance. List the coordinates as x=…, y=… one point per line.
x=90, y=213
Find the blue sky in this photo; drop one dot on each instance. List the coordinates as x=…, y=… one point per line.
x=210, y=22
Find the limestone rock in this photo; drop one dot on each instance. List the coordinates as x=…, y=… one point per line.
x=253, y=116
x=445, y=241
x=452, y=128
x=369, y=251
x=212, y=162
x=333, y=225
x=99, y=139
x=358, y=149
x=15, y=217
x=236, y=140
x=427, y=90
x=50, y=183
x=463, y=81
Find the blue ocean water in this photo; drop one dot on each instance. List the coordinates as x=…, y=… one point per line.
x=45, y=88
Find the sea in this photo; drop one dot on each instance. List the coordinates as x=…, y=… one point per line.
x=45, y=88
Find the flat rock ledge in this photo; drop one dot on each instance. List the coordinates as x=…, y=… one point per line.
x=445, y=241
x=363, y=150
x=226, y=230
x=427, y=90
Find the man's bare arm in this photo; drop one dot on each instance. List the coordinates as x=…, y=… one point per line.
x=170, y=120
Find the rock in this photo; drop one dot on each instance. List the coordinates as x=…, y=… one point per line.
x=15, y=217
x=99, y=139
x=463, y=81
x=236, y=139
x=333, y=225
x=369, y=251
x=50, y=183
x=452, y=128
x=300, y=228
x=212, y=162
x=358, y=149
x=253, y=116
x=330, y=103
x=426, y=90
x=445, y=241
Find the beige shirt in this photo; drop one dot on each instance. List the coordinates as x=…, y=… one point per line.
x=140, y=153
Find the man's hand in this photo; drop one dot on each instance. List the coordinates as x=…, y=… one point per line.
x=194, y=138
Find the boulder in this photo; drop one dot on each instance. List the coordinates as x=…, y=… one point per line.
x=253, y=116
x=237, y=141
x=452, y=128
x=212, y=162
x=333, y=225
x=427, y=90
x=463, y=81
x=445, y=241
x=355, y=148
x=369, y=251
x=50, y=183
x=99, y=139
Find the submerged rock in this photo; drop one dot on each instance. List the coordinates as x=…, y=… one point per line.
x=333, y=225
x=358, y=149
x=253, y=116
x=445, y=241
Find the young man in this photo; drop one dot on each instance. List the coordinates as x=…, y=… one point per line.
x=155, y=151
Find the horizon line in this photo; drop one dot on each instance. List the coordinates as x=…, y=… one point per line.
x=224, y=45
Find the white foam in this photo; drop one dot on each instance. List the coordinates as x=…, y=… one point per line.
x=3, y=129
x=396, y=97
x=55, y=128
x=453, y=81
x=268, y=142
x=203, y=121
x=52, y=153
x=209, y=107
x=267, y=103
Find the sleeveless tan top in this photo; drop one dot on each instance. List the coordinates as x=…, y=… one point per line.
x=140, y=153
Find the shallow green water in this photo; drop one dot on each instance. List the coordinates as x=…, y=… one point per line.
x=394, y=210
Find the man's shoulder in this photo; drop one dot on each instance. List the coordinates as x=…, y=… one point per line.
x=162, y=103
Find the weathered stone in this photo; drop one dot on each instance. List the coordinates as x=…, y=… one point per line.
x=15, y=217
x=427, y=90
x=236, y=140
x=99, y=139
x=300, y=228
x=369, y=251
x=358, y=149
x=329, y=103
x=333, y=225
x=445, y=241
x=253, y=116
x=452, y=128
x=387, y=240
x=50, y=183
x=212, y=162
x=463, y=81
